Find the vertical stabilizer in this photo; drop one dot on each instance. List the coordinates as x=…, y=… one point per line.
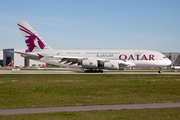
x=33, y=41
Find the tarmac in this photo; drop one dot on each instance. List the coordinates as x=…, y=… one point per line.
x=18, y=71
x=86, y=108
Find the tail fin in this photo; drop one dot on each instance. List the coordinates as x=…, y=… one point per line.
x=33, y=41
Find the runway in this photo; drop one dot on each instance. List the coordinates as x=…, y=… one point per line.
x=78, y=72
x=86, y=108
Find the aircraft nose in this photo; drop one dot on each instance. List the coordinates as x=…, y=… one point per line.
x=168, y=62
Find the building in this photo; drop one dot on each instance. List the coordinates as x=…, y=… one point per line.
x=1, y=58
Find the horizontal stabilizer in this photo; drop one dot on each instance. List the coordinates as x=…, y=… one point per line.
x=24, y=54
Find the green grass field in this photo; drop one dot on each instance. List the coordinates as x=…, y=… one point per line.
x=142, y=114
x=46, y=90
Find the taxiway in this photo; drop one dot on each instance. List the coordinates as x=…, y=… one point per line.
x=86, y=108
x=78, y=72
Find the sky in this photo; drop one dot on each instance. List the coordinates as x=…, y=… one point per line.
x=94, y=24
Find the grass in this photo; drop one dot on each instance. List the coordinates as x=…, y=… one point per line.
x=50, y=90
x=142, y=114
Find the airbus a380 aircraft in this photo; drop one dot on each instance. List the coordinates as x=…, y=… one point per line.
x=92, y=60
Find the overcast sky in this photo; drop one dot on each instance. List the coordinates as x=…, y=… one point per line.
x=94, y=24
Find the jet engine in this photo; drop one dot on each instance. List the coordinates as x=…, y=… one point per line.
x=90, y=63
x=111, y=65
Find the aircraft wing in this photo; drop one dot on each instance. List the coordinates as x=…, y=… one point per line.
x=68, y=59
x=73, y=60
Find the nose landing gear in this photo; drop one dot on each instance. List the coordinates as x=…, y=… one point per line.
x=160, y=70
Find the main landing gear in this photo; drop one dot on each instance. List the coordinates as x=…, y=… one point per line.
x=93, y=71
x=160, y=70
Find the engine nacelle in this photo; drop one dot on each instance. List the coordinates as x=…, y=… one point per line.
x=111, y=65
x=90, y=63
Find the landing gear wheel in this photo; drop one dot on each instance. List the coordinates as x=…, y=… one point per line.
x=100, y=71
x=93, y=71
x=160, y=70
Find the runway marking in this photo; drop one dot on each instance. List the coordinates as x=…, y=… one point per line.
x=87, y=108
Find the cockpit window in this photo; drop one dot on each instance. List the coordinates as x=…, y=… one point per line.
x=164, y=57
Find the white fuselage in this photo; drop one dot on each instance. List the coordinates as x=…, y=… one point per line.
x=136, y=58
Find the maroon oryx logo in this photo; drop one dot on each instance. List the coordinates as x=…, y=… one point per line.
x=32, y=38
